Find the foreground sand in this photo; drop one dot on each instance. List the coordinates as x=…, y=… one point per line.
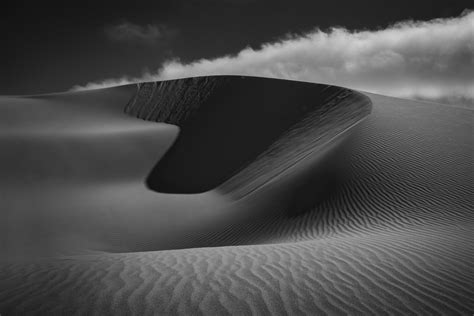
x=392, y=235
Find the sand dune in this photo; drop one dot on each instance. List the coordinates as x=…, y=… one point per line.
x=237, y=133
x=378, y=221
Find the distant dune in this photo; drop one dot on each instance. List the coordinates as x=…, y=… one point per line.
x=252, y=196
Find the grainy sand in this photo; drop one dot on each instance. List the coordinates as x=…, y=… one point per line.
x=391, y=235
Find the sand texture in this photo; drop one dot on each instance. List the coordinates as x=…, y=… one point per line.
x=353, y=204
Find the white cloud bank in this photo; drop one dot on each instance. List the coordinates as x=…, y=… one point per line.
x=431, y=60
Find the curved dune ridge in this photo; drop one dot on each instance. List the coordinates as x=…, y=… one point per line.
x=379, y=222
x=238, y=133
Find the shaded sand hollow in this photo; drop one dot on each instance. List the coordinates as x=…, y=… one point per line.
x=235, y=195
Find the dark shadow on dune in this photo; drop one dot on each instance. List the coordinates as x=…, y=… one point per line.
x=318, y=184
x=229, y=122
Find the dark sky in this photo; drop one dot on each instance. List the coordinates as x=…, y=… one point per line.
x=50, y=47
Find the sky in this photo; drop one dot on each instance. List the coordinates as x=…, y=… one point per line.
x=414, y=49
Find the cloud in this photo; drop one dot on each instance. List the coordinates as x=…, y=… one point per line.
x=129, y=32
x=431, y=60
